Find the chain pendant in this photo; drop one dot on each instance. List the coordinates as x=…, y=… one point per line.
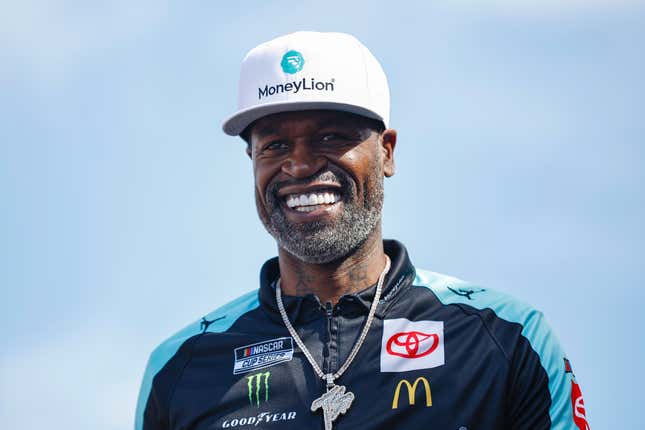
x=333, y=403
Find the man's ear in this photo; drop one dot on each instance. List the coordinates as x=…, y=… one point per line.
x=388, y=143
x=246, y=137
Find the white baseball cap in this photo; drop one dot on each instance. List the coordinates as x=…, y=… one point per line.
x=310, y=70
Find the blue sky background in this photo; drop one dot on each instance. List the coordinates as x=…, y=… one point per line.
x=127, y=213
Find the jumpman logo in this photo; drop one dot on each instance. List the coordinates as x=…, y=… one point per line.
x=463, y=292
x=203, y=326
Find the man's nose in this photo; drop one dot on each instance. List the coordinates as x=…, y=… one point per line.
x=303, y=161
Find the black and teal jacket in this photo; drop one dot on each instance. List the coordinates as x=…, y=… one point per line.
x=441, y=354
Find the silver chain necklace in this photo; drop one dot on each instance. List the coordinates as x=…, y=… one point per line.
x=335, y=401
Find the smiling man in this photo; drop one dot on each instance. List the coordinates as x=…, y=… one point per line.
x=319, y=192
x=344, y=332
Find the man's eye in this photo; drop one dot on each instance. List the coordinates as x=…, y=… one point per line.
x=331, y=137
x=276, y=145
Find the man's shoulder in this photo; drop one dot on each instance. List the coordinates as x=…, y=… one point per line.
x=503, y=315
x=497, y=310
x=450, y=290
x=216, y=321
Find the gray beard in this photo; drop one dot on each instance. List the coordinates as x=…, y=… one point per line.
x=323, y=242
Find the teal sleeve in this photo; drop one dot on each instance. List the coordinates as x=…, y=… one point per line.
x=151, y=408
x=566, y=410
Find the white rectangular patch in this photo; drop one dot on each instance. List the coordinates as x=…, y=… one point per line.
x=411, y=345
x=262, y=354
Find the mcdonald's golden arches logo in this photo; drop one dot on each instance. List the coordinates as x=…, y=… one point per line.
x=412, y=389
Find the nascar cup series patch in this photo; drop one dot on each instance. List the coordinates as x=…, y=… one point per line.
x=262, y=354
x=411, y=345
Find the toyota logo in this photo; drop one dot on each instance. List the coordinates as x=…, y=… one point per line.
x=412, y=344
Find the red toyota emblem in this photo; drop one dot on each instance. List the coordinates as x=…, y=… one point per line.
x=412, y=344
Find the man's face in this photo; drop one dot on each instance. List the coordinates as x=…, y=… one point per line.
x=319, y=180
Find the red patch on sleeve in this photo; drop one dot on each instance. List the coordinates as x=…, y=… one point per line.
x=578, y=404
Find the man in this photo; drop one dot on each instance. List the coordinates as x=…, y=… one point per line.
x=344, y=331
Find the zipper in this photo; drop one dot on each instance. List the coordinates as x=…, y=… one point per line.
x=326, y=350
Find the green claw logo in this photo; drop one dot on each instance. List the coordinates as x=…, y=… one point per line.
x=254, y=382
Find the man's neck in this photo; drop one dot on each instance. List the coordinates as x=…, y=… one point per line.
x=351, y=274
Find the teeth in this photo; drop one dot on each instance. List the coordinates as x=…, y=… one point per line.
x=309, y=202
x=308, y=208
x=304, y=208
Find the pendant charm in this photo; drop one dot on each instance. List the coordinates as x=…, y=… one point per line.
x=333, y=403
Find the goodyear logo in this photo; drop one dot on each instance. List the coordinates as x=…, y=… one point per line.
x=412, y=391
x=262, y=354
x=261, y=418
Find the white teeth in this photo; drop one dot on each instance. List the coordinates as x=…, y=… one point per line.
x=309, y=202
x=308, y=208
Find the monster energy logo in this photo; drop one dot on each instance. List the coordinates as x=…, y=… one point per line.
x=254, y=382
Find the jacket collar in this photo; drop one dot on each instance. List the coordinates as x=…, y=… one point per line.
x=307, y=308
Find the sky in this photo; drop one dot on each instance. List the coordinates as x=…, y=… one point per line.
x=128, y=213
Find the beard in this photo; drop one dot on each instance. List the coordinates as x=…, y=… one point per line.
x=320, y=242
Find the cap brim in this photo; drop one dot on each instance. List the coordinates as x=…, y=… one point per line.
x=234, y=125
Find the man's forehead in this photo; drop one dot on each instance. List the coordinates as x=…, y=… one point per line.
x=314, y=119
